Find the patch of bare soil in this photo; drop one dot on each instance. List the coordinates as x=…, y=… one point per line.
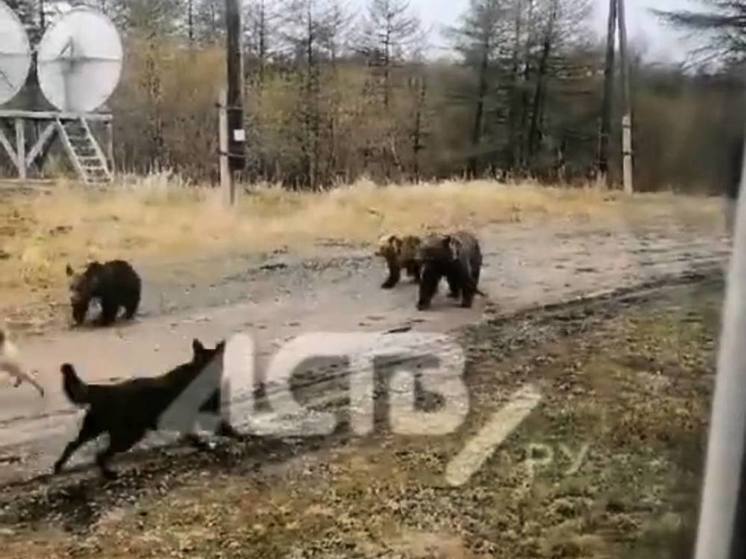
x=608, y=464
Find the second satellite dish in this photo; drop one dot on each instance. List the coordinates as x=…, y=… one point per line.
x=15, y=54
x=80, y=60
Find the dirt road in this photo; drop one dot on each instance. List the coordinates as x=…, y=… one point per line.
x=282, y=296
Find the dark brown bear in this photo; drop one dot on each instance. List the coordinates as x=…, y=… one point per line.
x=399, y=252
x=458, y=258
x=115, y=284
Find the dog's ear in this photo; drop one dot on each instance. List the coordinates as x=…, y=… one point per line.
x=197, y=347
x=69, y=271
x=220, y=347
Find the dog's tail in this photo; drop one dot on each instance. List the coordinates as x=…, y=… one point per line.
x=75, y=389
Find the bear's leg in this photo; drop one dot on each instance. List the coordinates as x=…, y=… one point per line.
x=475, y=273
x=417, y=272
x=468, y=291
x=394, y=275
x=428, y=288
x=131, y=309
x=464, y=277
x=109, y=312
x=467, y=300
x=413, y=271
x=455, y=285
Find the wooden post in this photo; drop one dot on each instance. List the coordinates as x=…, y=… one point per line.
x=226, y=178
x=627, y=171
x=110, y=145
x=190, y=22
x=234, y=58
x=605, y=128
x=21, y=147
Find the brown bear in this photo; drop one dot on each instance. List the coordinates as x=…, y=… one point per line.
x=399, y=252
x=458, y=258
x=115, y=284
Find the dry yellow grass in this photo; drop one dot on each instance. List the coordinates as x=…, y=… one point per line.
x=159, y=218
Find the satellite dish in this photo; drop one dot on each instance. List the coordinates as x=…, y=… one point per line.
x=80, y=60
x=15, y=54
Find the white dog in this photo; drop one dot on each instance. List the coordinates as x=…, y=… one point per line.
x=10, y=364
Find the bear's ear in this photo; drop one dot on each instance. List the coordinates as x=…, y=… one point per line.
x=69, y=271
x=383, y=243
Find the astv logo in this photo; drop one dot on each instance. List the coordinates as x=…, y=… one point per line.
x=435, y=361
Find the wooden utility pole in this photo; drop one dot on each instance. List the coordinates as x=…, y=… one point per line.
x=226, y=178
x=234, y=104
x=190, y=22
x=605, y=132
x=42, y=18
x=626, y=103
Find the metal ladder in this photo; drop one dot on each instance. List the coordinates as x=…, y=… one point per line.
x=87, y=157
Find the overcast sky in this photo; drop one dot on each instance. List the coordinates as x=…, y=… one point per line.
x=662, y=43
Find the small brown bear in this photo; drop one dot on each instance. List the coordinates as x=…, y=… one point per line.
x=399, y=252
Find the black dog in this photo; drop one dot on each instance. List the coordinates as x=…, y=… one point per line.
x=116, y=284
x=129, y=409
x=458, y=258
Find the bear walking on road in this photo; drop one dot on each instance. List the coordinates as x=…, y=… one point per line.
x=399, y=253
x=115, y=284
x=458, y=258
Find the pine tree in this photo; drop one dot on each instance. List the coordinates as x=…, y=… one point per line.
x=722, y=23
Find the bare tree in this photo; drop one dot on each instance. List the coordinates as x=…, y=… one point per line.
x=312, y=31
x=259, y=21
x=477, y=40
x=388, y=34
x=209, y=20
x=548, y=43
x=418, y=85
x=515, y=77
